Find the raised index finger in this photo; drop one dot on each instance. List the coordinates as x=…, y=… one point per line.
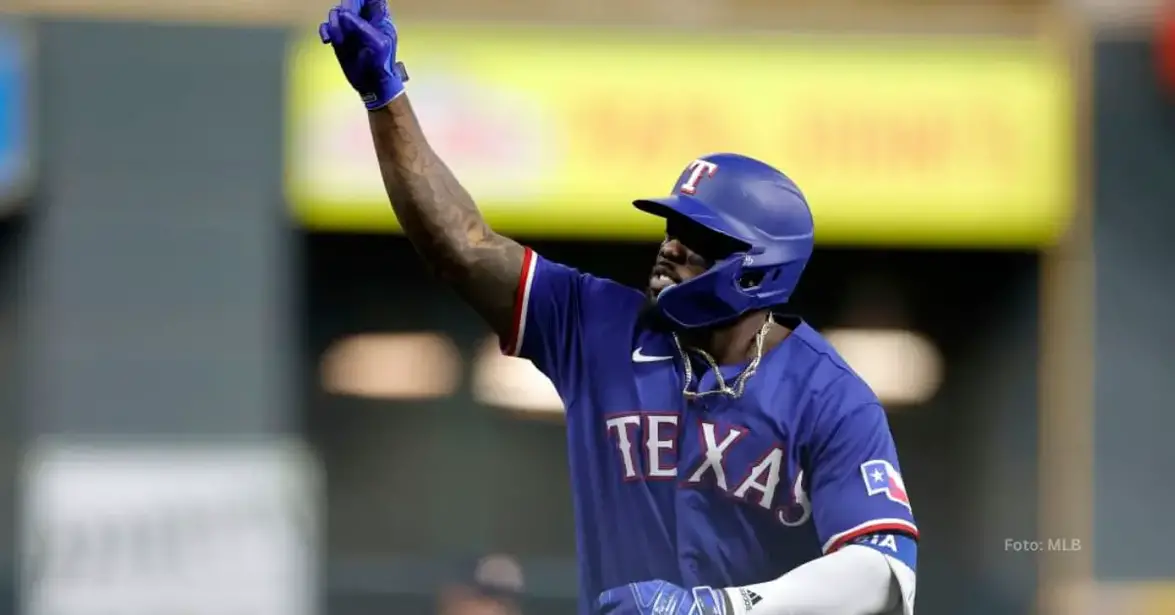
x=375, y=10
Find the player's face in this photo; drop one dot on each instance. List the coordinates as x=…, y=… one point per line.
x=688, y=251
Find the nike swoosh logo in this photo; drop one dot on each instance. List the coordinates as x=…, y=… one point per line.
x=638, y=357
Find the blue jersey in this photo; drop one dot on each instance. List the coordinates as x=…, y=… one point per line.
x=718, y=491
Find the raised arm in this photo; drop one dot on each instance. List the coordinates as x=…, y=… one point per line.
x=436, y=213
x=442, y=221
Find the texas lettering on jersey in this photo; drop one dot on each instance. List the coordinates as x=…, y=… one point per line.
x=646, y=444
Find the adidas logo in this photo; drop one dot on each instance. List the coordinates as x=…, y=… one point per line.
x=750, y=599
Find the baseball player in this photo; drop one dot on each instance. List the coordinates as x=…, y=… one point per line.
x=724, y=458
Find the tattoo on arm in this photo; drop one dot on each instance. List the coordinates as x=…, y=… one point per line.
x=442, y=221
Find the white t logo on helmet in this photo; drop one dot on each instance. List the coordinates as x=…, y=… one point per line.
x=698, y=169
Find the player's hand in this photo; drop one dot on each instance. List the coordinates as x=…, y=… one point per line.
x=364, y=39
x=660, y=598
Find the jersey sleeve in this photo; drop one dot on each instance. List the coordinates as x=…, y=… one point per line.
x=856, y=485
x=553, y=313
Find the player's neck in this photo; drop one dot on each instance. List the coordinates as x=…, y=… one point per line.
x=735, y=343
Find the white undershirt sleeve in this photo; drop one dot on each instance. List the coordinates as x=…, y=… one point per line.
x=855, y=580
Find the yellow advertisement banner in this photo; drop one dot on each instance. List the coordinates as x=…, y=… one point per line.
x=554, y=132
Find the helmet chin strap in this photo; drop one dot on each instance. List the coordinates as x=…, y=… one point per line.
x=721, y=388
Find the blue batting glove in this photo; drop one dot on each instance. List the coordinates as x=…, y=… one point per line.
x=660, y=598
x=364, y=39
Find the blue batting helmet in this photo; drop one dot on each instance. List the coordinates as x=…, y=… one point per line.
x=761, y=209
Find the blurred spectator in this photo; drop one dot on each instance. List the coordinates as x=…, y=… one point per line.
x=493, y=586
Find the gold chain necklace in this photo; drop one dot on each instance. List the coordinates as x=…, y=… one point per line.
x=740, y=382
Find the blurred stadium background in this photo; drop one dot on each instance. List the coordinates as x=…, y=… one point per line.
x=227, y=386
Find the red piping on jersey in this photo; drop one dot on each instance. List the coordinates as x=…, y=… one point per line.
x=510, y=344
